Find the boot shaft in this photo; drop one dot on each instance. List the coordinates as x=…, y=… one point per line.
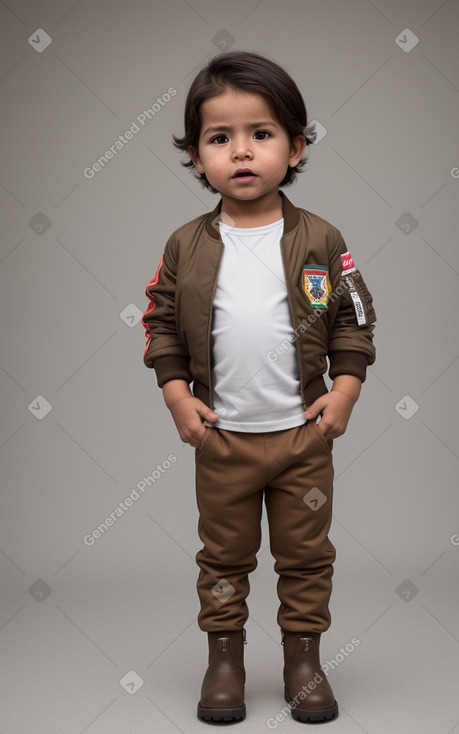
x=226, y=645
x=305, y=646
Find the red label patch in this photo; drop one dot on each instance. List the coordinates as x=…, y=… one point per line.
x=347, y=263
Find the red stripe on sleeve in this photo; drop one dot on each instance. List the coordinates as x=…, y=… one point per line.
x=152, y=304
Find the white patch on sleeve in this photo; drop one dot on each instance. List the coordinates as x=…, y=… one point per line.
x=358, y=305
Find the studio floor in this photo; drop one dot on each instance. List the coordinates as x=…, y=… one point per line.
x=121, y=656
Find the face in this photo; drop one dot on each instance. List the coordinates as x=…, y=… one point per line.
x=243, y=148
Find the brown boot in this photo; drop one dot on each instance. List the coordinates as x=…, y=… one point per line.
x=222, y=693
x=307, y=689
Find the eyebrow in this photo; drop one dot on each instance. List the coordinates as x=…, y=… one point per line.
x=228, y=129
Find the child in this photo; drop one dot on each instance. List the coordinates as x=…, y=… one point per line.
x=247, y=304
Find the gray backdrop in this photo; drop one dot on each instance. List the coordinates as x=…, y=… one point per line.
x=98, y=630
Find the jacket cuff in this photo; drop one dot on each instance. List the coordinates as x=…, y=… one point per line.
x=348, y=363
x=172, y=368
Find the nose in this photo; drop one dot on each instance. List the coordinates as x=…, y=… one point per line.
x=241, y=150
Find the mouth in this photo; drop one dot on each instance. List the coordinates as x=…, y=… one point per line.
x=244, y=175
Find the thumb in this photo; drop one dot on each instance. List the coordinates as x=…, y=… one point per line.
x=206, y=413
x=314, y=409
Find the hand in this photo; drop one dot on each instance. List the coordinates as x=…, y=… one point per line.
x=188, y=413
x=336, y=406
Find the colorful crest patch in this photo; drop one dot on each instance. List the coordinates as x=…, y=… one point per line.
x=316, y=285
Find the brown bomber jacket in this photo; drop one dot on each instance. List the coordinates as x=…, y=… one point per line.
x=178, y=320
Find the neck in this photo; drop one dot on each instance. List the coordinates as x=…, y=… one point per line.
x=253, y=213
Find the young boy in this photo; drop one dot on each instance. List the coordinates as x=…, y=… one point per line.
x=248, y=302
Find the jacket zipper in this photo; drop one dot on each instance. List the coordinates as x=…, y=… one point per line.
x=209, y=326
x=294, y=324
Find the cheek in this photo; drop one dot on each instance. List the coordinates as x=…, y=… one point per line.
x=281, y=151
x=211, y=159
x=287, y=150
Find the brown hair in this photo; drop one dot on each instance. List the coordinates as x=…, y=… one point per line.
x=251, y=73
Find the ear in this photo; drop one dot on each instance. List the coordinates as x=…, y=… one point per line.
x=296, y=151
x=194, y=155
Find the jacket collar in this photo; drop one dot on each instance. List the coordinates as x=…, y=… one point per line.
x=290, y=212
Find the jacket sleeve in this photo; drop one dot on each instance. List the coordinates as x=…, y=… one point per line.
x=164, y=351
x=351, y=348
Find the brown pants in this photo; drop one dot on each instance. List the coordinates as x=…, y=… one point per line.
x=293, y=470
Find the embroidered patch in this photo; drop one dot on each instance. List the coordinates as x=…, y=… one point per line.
x=347, y=263
x=316, y=285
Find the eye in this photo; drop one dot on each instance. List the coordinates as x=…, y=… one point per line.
x=261, y=135
x=219, y=139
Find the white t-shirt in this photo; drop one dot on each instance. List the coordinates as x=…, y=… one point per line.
x=251, y=317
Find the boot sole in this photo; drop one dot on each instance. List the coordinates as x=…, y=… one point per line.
x=208, y=714
x=312, y=716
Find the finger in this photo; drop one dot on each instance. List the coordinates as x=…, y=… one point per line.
x=314, y=409
x=208, y=414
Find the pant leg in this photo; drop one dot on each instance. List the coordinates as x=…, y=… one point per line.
x=230, y=477
x=299, y=508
